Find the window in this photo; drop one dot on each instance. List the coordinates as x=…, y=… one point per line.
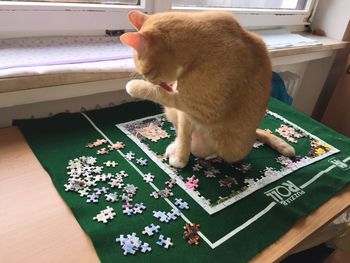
x=252, y=4
x=104, y=2
x=66, y=17
x=256, y=13
x=20, y=18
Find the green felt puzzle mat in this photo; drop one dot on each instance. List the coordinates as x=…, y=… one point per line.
x=122, y=184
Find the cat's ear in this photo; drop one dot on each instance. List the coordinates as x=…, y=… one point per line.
x=137, y=18
x=135, y=40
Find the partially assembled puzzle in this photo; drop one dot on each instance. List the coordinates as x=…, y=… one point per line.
x=215, y=184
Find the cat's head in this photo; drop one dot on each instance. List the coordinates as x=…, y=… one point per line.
x=154, y=56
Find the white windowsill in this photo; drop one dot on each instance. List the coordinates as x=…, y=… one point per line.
x=283, y=56
x=304, y=53
x=327, y=45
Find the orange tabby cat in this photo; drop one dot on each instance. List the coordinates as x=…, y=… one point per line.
x=212, y=76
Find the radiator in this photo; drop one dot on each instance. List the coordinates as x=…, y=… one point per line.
x=75, y=104
x=48, y=108
x=291, y=81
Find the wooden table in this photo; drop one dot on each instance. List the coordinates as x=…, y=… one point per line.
x=38, y=226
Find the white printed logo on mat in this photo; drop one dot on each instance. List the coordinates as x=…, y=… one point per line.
x=339, y=163
x=285, y=193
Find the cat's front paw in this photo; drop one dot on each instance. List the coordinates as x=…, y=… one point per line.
x=170, y=150
x=177, y=162
x=135, y=88
x=176, y=159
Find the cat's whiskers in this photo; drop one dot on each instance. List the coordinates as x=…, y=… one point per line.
x=133, y=75
x=157, y=92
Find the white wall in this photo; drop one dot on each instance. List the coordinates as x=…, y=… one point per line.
x=332, y=16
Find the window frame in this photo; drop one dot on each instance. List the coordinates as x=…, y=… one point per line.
x=264, y=18
x=253, y=10
x=55, y=6
x=22, y=19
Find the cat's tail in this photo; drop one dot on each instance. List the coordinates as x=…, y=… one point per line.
x=275, y=143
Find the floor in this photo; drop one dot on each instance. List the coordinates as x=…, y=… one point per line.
x=319, y=254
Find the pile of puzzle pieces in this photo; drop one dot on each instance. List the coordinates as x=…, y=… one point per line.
x=88, y=180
